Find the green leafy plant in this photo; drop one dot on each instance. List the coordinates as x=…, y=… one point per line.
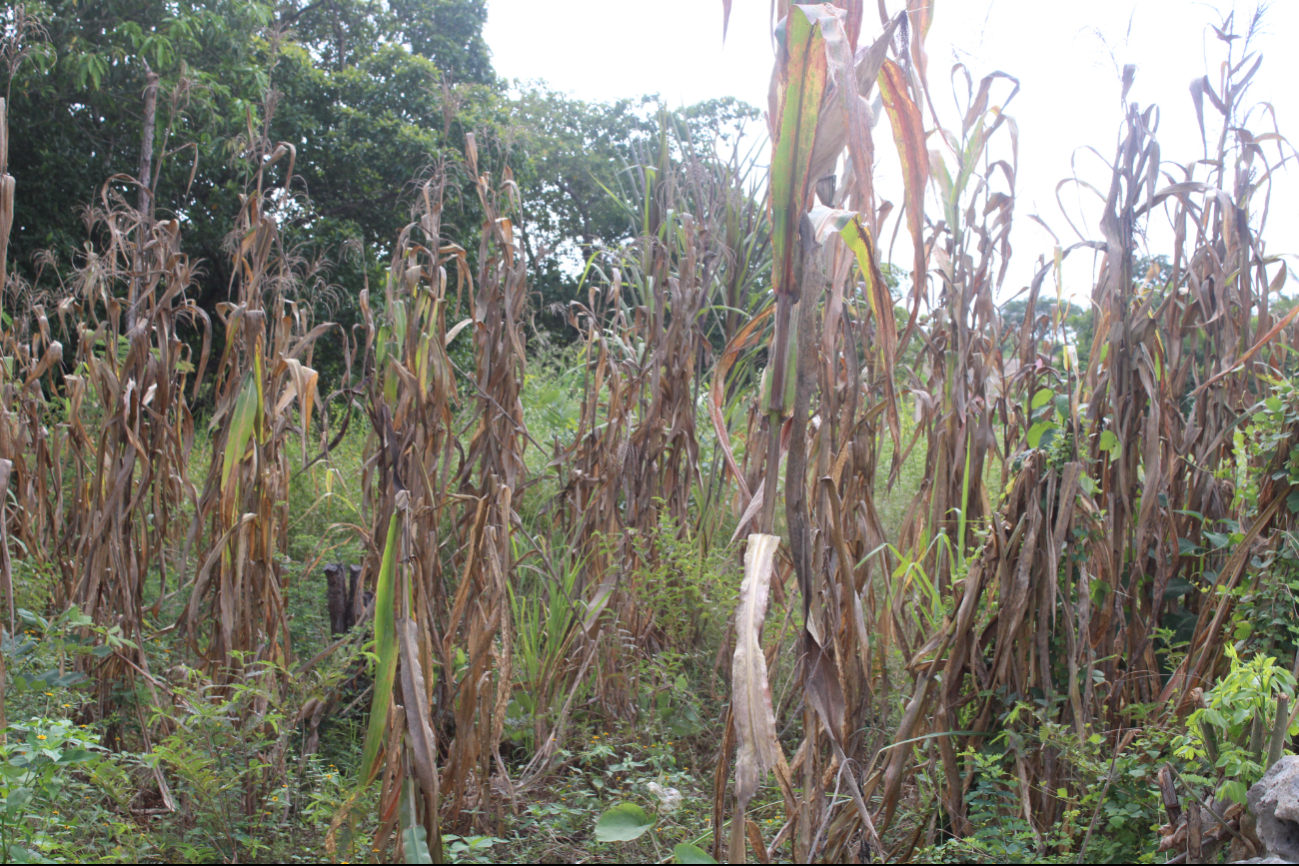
x=1232, y=729
x=627, y=822
x=469, y=849
x=35, y=765
x=227, y=754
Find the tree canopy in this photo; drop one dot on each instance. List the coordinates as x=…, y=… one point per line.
x=372, y=95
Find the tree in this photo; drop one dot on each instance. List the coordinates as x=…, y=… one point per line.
x=364, y=112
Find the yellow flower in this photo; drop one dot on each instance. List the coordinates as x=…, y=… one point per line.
x=49, y=694
x=40, y=736
x=275, y=799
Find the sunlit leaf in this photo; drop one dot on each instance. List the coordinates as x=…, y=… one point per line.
x=687, y=853
x=623, y=823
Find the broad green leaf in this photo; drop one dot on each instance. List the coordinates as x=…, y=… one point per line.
x=1041, y=398
x=19, y=854
x=17, y=801
x=77, y=756
x=413, y=840
x=687, y=853
x=622, y=823
x=1217, y=539
x=1109, y=442
x=385, y=642
x=1035, y=432
x=1236, y=790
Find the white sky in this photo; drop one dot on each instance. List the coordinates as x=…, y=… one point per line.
x=1066, y=56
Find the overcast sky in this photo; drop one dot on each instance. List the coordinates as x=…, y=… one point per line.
x=1066, y=56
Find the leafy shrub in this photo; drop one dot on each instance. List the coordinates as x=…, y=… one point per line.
x=36, y=764
x=1230, y=730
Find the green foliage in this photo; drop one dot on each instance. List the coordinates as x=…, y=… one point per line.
x=36, y=763
x=227, y=759
x=338, y=80
x=1239, y=708
x=1266, y=616
x=469, y=849
x=623, y=823
x=687, y=853
x=1000, y=833
x=1116, y=791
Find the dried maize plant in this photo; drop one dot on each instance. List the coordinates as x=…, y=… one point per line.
x=263, y=373
x=499, y=313
x=409, y=389
x=129, y=430
x=1110, y=465
x=828, y=395
x=954, y=387
x=630, y=479
x=493, y=472
x=29, y=356
x=417, y=625
x=12, y=448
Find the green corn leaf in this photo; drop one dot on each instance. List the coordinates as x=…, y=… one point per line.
x=385, y=642
x=805, y=81
x=413, y=838
x=241, y=428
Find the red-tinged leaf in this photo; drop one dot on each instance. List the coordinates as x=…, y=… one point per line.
x=921, y=13
x=836, y=127
x=909, y=134
x=852, y=21
x=726, y=17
